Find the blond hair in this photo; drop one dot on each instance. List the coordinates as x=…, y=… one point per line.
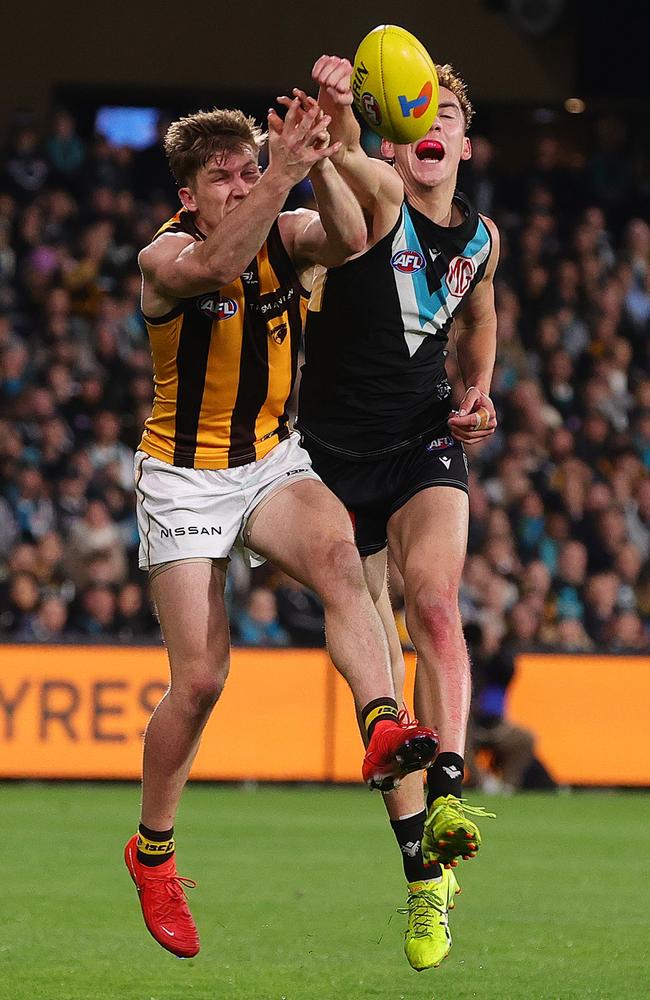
x=190, y=142
x=450, y=80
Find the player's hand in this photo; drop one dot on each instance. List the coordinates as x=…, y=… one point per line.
x=307, y=103
x=294, y=144
x=475, y=419
x=334, y=75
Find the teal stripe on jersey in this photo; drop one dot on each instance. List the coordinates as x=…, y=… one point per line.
x=431, y=305
x=424, y=299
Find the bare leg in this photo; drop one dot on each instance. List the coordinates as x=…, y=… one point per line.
x=189, y=598
x=428, y=539
x=305, y=530
x=408, y=799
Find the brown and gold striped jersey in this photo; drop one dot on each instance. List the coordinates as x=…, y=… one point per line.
x=225, y=363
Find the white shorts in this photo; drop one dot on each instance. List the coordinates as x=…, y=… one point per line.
x=190, y=513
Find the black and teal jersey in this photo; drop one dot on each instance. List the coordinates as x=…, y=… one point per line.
x=377, y=327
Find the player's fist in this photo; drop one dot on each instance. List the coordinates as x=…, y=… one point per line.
x=334, y=75
x=475, y=418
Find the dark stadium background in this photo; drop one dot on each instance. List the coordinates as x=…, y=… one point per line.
x=560, y=532
x=299, y=879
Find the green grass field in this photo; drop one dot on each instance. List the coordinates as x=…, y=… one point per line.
x=296, y=892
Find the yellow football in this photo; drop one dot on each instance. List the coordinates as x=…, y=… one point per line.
x=394, y=84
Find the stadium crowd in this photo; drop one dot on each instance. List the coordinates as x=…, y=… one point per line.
x=559, y=547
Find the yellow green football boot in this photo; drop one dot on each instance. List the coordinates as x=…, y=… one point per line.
x=449, y=833
x=427, y=938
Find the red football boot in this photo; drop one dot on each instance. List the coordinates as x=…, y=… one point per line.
x=162, y=898
x=396, y=749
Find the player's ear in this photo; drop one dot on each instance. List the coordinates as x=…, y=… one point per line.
x=187, y=198
x=387, y=149
x=466, y=153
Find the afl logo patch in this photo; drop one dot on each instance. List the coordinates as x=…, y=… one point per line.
x=408, y=261
x=371, y=108
x=215, y=307
x=460, y=274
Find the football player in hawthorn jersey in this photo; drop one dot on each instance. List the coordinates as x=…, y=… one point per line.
x=375, y=414
x=222, y=286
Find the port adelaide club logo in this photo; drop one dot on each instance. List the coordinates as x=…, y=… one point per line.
x=214, y=307
x=408, y=261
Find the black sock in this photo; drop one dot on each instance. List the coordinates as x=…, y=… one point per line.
x=408, y=834
x=154, y=846
x=379, y=710
x=445, y=777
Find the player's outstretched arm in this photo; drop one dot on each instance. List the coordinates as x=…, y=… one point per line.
x=178, y=267
x=476, y=344
x=338, y=230
x=374, y=182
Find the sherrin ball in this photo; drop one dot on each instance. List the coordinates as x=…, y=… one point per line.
x=394, y=84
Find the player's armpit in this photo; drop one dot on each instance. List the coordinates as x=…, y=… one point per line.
x=373, y=182
x=308, y=240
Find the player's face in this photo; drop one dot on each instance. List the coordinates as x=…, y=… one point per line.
x=221, y=185
x=434, y=159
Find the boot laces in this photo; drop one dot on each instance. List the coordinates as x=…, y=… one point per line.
x=423, y=909
x=169, y=892
x=462, y=808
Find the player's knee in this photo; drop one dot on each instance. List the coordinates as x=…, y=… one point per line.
x=339, y=571
x=202, y=689
x=434, y=611
x=203, y=693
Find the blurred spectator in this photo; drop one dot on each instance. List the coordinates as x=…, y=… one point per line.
x=25, y=169
x=64, y=149
x=134, y=620
x=564, y=481
x=601, y=596
x=8, y=527
x=32, y=505
x=108, y=449
x=258, y=625
x=96, y=614
x=511, y=747
x=23, y=599
x=93, y=535
x=300, y=612
x=48, y=624
x=570, y=579
x=571, y=636
x=627, y=634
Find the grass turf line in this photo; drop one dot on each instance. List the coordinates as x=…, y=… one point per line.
x=296, y=892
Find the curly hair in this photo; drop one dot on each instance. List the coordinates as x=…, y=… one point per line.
x=450, y=80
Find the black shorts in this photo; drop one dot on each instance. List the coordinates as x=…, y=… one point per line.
x=373, y=491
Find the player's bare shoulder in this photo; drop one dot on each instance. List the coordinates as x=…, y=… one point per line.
x=156, y=262
x=495, y=239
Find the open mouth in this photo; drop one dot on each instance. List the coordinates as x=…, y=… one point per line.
x=429, y=149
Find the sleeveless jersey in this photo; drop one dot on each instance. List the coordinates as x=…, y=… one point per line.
x=225, y=363
x=374, y=376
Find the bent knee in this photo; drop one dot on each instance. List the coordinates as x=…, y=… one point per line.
x=199, y=691
x=434, y=612
x=338, y=570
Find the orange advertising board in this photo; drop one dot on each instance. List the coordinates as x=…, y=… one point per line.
x=286, y=715
x=590, y=715
x=79, y=712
